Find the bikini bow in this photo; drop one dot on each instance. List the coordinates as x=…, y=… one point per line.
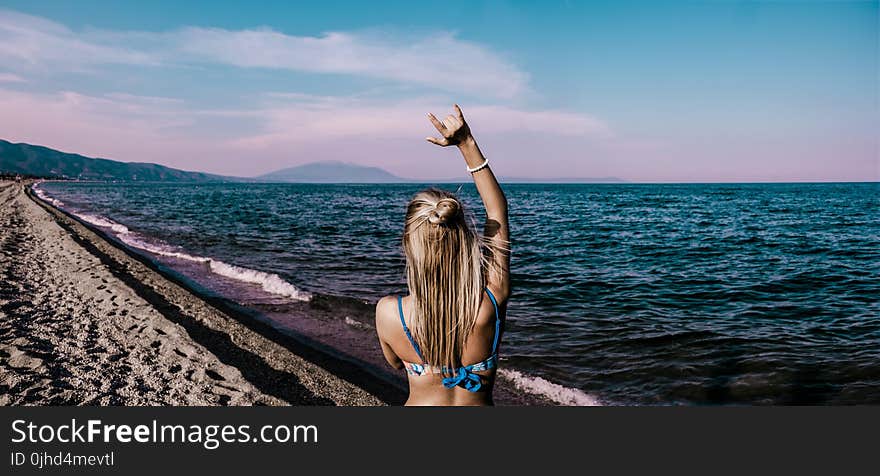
x=464, y=378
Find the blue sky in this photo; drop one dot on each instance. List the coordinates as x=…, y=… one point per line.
x=645, y=91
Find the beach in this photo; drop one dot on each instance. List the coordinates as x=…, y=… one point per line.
x=84, y=323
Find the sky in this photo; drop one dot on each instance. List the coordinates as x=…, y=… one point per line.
x=655, y=91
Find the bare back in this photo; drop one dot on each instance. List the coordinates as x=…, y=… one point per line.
x=428, y=389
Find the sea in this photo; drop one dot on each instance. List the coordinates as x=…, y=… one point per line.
x=622, y=294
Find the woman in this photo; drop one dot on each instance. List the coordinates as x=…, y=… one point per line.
x=446, y=332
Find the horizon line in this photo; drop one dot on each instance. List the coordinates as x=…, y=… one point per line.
x=608, y=180
x=426, y=181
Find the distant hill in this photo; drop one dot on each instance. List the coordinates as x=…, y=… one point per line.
x=39, y=161
x=342, y=172
x=331, y=172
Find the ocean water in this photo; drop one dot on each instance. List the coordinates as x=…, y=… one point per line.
x=625, y=294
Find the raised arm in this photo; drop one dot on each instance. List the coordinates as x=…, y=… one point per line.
x=454, y=130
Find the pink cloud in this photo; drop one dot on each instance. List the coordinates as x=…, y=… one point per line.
x=11, y=78
x=299, y=119
x=129, y=129
x=291, y=130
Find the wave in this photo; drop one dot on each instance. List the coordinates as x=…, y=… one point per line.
x=98, y=220
x=555, y=392
x=135, y=241
x=269, y=282
x=46, y=198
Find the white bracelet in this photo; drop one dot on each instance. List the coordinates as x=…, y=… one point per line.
x=479, y=167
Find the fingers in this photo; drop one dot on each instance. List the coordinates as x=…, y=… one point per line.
x=451, y=123
x=437, y=124
x=448, y=124
x=448, y=128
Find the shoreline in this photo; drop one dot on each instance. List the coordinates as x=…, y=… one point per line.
x=225, y=328
x=345, y=367
x=84, y=322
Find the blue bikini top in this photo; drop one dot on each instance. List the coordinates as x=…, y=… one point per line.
x=464, y=377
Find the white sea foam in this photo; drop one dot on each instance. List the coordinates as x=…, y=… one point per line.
x=135, y=241
x=555, y=392
x=46, y=198
x=271, y=283
x=98, y=220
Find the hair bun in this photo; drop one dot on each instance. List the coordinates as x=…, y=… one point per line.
x=445, y=209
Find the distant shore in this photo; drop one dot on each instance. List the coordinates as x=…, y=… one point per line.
x=84, y=323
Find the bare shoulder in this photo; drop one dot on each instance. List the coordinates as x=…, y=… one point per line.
x=386, y=304
x=500, y=293
x=386, y=310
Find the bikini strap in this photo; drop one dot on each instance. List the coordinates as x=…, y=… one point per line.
x=416, y=346
x=497, y=321
x=406, y=329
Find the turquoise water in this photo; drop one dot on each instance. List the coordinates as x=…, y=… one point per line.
x=633, y=294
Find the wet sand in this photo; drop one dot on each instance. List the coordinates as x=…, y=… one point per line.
x=82, y=322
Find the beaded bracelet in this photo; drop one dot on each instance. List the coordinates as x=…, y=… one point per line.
x=479, y=167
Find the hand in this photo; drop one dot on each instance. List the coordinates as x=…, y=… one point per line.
x=454, y=130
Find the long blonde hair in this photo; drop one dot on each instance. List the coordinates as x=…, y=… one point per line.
x=445, y=272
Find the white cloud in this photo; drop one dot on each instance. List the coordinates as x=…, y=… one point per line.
x=34, y=41
x=437, y=60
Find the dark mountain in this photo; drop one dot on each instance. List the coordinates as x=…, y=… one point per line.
x=39, y=161
x=331, y=172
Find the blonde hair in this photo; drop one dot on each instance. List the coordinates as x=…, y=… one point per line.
x=445, y=272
